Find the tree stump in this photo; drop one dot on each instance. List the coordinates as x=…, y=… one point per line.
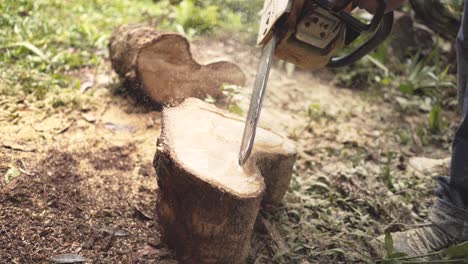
x=160, y=66
x=207, y=203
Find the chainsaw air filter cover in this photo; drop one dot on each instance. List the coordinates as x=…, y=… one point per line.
x=317, y=37
x=311, y=32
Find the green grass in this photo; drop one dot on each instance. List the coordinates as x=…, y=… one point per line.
x=42, y=41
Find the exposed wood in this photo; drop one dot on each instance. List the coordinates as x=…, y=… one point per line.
x=160, y=66
x=207, y=203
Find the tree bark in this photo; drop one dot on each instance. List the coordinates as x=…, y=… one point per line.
x=160, y=66
x=207, y=203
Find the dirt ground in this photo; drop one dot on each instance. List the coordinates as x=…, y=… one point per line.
x=87, y=185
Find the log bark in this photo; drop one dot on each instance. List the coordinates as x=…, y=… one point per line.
x=160, y=66
x=207, y=203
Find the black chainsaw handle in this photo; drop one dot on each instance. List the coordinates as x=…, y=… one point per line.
x=380, y=35
x=357, y=25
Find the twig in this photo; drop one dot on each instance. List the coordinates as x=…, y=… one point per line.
x=17, y=147
x=109, y=242
x=65, y=129
x=275, y=235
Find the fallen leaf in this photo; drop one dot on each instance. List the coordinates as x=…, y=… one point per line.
x=148, y=250
x=64, y=129
x=155, y=242
x=119, y=127
x=114, y=231
x=140, y=213
x=85, y=86
x=12, y=173
x=428, y=167
x=67, y=259
x=89, y=117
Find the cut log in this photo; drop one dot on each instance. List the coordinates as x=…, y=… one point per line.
x=160, y=66
x=207, y=203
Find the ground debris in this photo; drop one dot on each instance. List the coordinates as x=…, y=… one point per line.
x=67, y=259
x=345, y=190
x=114, y=231
x=119, y=127
x=427, y=167
x=149, y=250
x=275, y=235
x=18, y=147
x=141, y=213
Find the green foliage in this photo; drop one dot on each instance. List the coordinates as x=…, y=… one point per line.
x=457, y=251
x=193, y=17
x=417, y=75
x=387, y=173
x=405, y=137
x=424, y=76
x=41, y=41
x=388, y=244
x=454, y=254
x=247, y=11
x=232, y=95
x=435, y=120
x=423, y=81
x=12, y=173
x=314, y=112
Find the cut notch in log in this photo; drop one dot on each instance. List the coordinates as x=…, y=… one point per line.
x=160, y=66
x=207, y=203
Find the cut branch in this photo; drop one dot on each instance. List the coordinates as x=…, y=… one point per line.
x=160, y=66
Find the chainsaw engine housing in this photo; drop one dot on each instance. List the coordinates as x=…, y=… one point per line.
x=309, y=35
x=311, y=32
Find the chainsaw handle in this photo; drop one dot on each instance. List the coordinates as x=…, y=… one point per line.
x=360, y=26
x=382, y=33
x=340, y=9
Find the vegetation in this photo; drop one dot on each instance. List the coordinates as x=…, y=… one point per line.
x=45, y=43
x=41, y=42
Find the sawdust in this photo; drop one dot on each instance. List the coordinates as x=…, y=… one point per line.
x=96, y=174
x=80, y=184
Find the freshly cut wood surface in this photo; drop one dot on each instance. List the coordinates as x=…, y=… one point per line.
x=206, y=140
x=160, y=66
x=207, y=202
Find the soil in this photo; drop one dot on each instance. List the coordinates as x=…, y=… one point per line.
x=87, y=186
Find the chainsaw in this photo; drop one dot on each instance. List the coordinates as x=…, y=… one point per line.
x=309, y=34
